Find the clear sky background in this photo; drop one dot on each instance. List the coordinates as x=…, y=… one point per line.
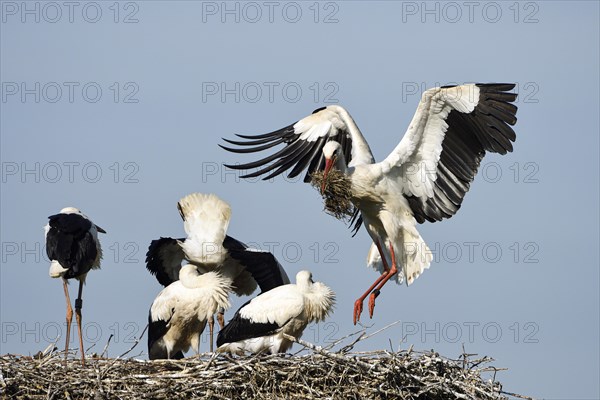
x=117, y=109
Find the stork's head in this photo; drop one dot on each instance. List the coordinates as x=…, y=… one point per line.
x=304, y=278
x=187, y=272
x=319, y=299
x=332, y=151
x=71, y=210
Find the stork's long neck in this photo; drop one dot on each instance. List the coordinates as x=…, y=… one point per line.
x=216, y=285
x=189, y=276
x=361, y=152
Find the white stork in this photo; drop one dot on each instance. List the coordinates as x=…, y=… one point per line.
x=73, y=248
x=179, y=313
x=424, y=178
x=260, y=324
x=206, y=218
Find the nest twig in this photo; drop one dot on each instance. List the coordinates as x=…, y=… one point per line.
x=337, y=193
x=318, y=373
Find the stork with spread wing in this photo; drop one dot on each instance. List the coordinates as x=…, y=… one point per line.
x=425, y=178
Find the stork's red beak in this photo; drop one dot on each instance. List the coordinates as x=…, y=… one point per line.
x=328, y=165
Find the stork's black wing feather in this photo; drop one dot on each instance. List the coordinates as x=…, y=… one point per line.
x=263, y=266
x=355, y=222
x=239, y=328
x=164, y=258
x=156, y=346
x=468, y=137
x=302, y=149
x=233, y=244
x=70, y=242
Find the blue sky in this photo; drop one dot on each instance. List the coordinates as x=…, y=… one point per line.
x=117, y=109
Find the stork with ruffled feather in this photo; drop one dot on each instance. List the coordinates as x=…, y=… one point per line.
x=207, y=250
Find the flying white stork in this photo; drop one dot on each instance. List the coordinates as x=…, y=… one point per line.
x=179, y=313
x=206, y=218
x=73, y=248
x=260, y=324
x=424, y=178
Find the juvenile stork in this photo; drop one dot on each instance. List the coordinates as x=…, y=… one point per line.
x=260, y=324
x=424, y=178
x=180, y=312
x=73, y=248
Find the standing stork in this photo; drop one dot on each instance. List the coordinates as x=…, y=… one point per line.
x=180, y=312
x=424, y=178
x=260, y=324
x=73, y=248
x=206, y=219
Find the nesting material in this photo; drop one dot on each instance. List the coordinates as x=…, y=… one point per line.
x=337, y=193
x=317, y=373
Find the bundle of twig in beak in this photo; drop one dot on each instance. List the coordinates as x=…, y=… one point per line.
x=336, y=194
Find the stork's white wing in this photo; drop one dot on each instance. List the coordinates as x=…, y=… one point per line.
x=439, y=155
x=278, y=306
x=303, y=143
x=164, y=304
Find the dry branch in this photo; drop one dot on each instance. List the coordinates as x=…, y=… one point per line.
x=318, y=373
x=337, y=193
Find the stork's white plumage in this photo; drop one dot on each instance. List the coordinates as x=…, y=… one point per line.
x=424, y=178
x=73, y=248
x=260, y=325
x=206, y=219
x=180, y=312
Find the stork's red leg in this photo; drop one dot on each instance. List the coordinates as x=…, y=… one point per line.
x=78, y=305
x=211, y=328
x=69, y=316
x=386, y=277
x=221, y=317
x=358, y=304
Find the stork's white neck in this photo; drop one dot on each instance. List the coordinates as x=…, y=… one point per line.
x=188, y=275
x=361, y=152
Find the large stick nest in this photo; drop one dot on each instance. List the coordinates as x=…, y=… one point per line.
x=337, y=194
x=318, y=373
